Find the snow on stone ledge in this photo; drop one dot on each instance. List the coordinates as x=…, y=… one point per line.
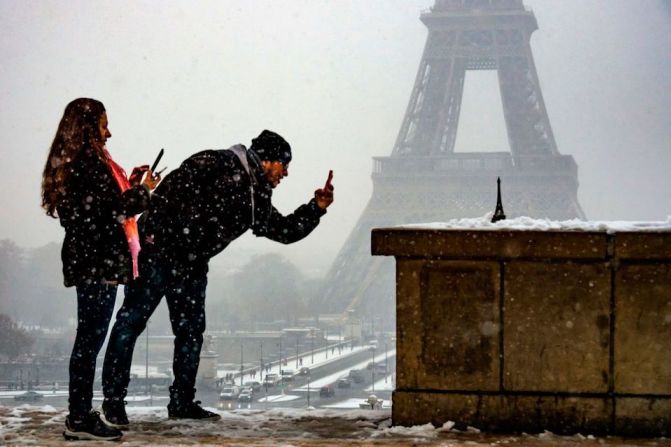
x=528, y=224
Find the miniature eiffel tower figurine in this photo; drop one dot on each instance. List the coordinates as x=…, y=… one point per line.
x=498, y=213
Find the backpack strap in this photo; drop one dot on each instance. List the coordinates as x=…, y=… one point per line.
x=240, y=151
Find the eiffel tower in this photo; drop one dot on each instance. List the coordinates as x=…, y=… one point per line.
x=425, y=180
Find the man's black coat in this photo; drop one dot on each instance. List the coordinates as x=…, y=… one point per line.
x=209, y=201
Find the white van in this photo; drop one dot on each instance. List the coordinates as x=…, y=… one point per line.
x=271, y=380
x=229, y=392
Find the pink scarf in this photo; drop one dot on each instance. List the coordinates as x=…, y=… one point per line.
x=129, y=225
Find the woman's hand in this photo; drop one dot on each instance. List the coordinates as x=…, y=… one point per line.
x=136, y=176
x=151, y=180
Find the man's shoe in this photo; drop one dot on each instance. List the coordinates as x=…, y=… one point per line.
x=114, y=413
x=89, y=427
x=191, y=410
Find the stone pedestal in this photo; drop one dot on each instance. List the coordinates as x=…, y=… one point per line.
x=533, y=330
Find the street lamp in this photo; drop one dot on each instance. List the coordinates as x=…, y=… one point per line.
x=340, y=340
x=309, y=388
x=241, y=362
x=386, y=363
x=373, y=371
x=372, y=327
x=280, y=366
x=146, y=365
x=146, y=354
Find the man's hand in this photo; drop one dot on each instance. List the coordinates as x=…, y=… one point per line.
x=324, y=197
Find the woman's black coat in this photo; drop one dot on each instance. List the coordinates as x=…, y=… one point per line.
x=92, y=212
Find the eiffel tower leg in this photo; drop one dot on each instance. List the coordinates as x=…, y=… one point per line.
x=417, y=96
x=431, y=127
x=529, y=131
x=448, y=116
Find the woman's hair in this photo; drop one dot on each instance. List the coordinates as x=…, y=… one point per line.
x=78, y=129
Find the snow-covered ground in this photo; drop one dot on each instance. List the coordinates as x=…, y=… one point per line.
x=351, y=404
x=279, y=398
x=45, y=394
x=43, y=425
x=529, y=224
x=97, y=396
x=316, y=384
x=385, y=384
x=321, y=357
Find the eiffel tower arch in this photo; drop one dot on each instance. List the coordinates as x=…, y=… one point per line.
x=425, y=180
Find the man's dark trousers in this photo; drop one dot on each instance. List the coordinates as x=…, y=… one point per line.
x=184, y=289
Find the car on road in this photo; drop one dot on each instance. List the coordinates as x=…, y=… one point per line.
x=304, y=371
x=229, y=393
x=271, y=380
x=245, y=396
x=327, y=391
x=358, y=375
x=288, y=375
x=380, y=367
x=254, y=385
x=29, y=396
x=344, y=382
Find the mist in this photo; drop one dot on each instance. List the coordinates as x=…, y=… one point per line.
x=334, y=79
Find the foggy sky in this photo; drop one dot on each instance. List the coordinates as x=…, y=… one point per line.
x=332, y=77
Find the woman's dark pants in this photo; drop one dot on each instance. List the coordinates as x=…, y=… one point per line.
x=95, y=304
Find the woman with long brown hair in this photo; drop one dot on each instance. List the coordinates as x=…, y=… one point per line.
x=96, y=203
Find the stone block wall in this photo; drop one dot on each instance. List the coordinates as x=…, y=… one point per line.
x=533, y=330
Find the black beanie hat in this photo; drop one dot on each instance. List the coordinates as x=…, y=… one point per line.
x=272, y=147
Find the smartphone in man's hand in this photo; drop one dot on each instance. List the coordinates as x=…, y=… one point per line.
x=328, y=186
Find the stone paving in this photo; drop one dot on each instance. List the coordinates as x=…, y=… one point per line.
x=42, y=426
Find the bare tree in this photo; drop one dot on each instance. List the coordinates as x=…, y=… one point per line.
x=14, y=341
x=267, y=288
x=11, y=276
